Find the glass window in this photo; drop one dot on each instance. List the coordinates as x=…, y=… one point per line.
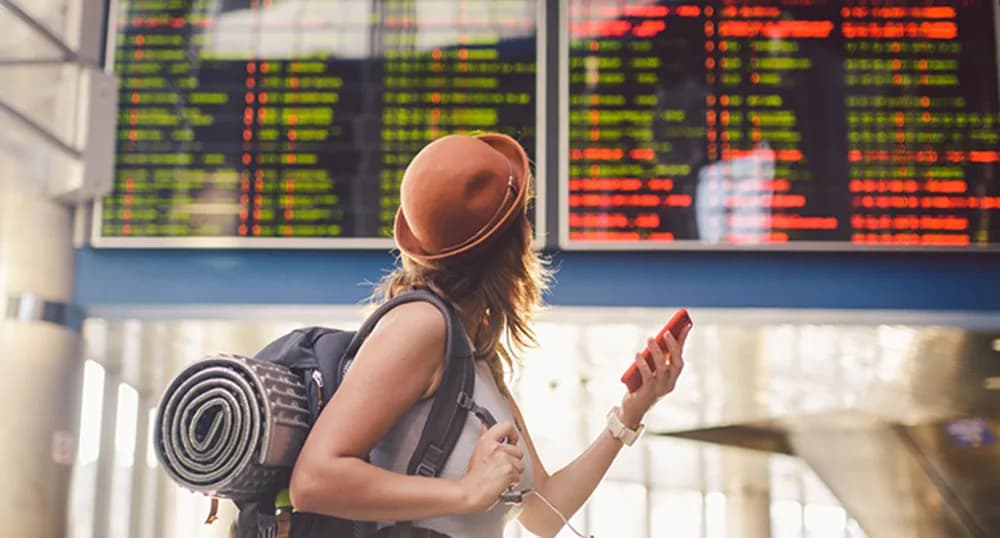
x=124, y=459
x=151, y=460
x=676, y=513
x=81, y=503
x=90, y=413
x=786, y=519
x=673, y=463
x=618, y=509
x=125, y=420
x=715, y=515
x=786, y=477
x=825, y=521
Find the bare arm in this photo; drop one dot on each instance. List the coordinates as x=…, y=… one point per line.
x=571, y=486
x=400, y=363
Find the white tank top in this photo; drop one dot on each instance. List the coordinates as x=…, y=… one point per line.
x=393, y=452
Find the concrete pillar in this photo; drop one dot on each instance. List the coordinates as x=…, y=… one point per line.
x=40, y=364
x=746, y=473
x=40, y=344
x=748, y=498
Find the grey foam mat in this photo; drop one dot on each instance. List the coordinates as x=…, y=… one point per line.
x=231, y=427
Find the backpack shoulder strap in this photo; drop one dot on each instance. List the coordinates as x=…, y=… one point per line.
x=452, y=401
x=456, y=338
x=454, y=395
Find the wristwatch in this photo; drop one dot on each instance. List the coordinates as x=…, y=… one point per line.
x=620, y=431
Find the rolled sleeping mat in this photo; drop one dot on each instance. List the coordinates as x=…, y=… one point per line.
x=231, y=426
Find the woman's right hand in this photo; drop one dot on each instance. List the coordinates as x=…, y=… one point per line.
x=495, y=466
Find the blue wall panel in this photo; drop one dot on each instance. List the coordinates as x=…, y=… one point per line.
x=931, y=281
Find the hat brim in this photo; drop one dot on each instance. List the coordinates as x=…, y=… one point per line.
x=518, y=158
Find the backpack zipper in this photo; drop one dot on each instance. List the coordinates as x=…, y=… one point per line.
x=317, y=378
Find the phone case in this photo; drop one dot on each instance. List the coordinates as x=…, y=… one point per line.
x=632, y=378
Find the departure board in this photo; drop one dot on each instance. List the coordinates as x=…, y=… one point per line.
x=248, y=123
x=783, y=124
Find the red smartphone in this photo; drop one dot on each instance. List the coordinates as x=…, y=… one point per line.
x=681, y=320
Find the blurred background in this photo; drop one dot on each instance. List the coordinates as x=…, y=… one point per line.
x=817, y=182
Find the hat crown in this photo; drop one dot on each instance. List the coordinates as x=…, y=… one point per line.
x=453, y=189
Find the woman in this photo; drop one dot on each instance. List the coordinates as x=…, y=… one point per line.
x=463, y=232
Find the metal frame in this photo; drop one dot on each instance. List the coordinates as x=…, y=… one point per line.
x=700, y=246
x=541, y=130
x=996, y=35
x=563, y=144
x=69, y=56
x=31, y=62
x=98, y=240
x=41, y=131
x=29, y=308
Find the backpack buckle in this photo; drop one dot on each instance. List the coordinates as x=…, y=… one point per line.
x=426, y=470
x=433, y=454
x=431, y=461
x=465, y=401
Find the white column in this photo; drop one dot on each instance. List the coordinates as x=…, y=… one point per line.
x=40, y=366
x=747, y=473
x=106, y=459
x=143, y=479
x=748, y=498
x=40, y=347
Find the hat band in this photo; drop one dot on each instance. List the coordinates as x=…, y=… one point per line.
x=509, y=196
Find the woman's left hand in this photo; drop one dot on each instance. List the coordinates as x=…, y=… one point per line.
x=655, y=383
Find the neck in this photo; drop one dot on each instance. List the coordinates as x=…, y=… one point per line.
x=471, y=315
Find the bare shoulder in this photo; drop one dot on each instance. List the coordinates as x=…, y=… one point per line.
x=419, y=320
x=404, y=352
x=411, y=338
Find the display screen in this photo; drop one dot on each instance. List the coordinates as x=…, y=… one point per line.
x=782, y=123
x=250, y=122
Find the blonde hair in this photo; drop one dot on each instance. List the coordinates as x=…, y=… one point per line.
x=504, y=282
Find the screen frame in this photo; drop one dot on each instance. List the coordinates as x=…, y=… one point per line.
x=98, y=240
x=565, y=243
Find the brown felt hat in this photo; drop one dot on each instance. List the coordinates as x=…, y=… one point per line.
x=458, y=193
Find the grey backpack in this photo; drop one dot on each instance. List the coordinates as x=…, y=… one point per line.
x=231, y=427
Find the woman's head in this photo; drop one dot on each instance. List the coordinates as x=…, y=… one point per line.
x=463, y=232
x=459, y=194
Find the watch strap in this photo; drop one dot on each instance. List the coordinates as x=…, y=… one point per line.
x=618, y=429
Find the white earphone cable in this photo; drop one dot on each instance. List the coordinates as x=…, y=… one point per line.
x=558, y=513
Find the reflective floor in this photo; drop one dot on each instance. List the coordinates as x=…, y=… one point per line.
x=809, y=377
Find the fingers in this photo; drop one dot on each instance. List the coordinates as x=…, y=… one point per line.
x=673, y=348
x=514, y=437
x=509, y=459
x=503, y=430
x=512, y=451
x=644, y=370
x=656, y=352
x=515, y=457
x=684, y=335
x=512, y=471
x=676, y=363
